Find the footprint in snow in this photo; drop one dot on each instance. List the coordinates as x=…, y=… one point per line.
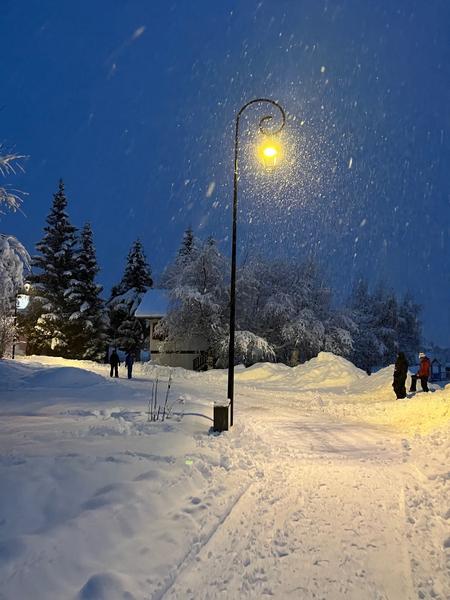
x=195, y=504
x=104, y=586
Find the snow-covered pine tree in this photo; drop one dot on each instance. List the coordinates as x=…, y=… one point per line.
x=186, y=253
x=89, y=318
x=125, y=331
x=188, y=245
x=57, y=267
x=137, y=275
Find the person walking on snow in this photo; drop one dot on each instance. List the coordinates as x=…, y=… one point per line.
x=423, y=373
x=129, y=361
x=114, y=362
x=400, y=373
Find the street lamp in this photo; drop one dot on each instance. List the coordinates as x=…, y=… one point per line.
x=269, y=153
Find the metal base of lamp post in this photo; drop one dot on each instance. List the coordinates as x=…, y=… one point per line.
x=221, y=417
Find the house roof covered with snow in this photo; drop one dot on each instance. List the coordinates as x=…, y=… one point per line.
x=153, y=305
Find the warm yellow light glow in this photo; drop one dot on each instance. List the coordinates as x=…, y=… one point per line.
x=269, y=153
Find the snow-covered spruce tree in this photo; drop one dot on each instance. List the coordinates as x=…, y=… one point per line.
x=88, y=321
x=186, y=253
x=125, y=331
x=13, y=259
x=188, y=245
x=56, y=264
x=199, y=296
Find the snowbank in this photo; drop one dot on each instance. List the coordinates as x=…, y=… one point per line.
x=63, y=377
x=327, y=383
x=328, y=371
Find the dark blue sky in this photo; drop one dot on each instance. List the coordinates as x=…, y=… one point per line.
x=132, y=102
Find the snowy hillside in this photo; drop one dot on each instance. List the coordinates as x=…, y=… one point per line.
x=326, y=487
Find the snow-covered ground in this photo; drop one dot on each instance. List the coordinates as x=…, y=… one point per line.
x=326, y=487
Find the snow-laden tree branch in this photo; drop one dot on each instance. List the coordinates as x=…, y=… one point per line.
x=10, y=164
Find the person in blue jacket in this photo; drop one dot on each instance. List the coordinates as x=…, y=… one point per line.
x=129, y=361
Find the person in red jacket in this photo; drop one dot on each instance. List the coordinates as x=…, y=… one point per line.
x=423, y=373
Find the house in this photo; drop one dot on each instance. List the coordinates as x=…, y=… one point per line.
x=189, y=354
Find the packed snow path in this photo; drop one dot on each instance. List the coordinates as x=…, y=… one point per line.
x=310, y=495
x=324, y=519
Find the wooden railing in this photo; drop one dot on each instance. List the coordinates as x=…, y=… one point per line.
x=200, y=362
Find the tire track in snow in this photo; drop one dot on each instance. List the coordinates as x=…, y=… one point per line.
x=191, y=555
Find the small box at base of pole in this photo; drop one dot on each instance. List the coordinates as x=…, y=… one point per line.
x=221, y=416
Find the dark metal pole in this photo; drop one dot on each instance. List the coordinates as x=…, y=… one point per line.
x=262, y=121
x=233, y=277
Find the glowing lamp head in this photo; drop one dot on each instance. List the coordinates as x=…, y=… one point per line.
x=269, y=153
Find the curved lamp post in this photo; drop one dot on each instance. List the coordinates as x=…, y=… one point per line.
x=269, y=154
